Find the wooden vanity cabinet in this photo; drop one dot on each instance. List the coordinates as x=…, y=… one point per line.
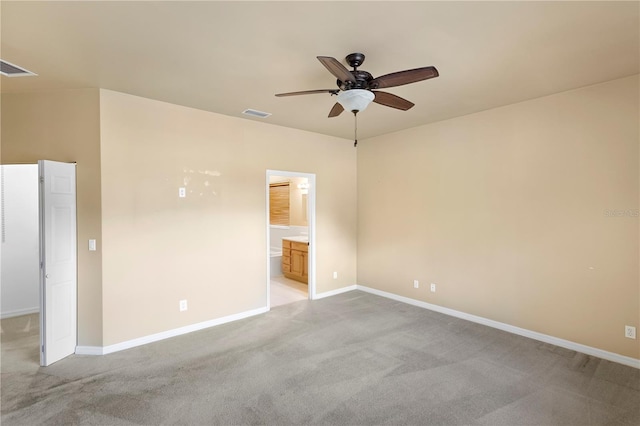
x=295, y=262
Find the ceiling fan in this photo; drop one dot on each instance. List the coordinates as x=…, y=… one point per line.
x=357, y=88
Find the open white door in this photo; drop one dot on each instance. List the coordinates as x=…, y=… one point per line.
x=58, y=281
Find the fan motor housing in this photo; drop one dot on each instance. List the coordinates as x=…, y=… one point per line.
x=362, y=81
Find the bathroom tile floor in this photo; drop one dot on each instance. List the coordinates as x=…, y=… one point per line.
x=284, y=291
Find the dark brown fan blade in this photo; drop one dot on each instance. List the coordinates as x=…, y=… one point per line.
x=336, y=110
x=309, y=92
x=336, y=68
x=391, y=100
x=403, y=77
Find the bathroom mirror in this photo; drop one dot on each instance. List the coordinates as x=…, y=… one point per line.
x=288, y=199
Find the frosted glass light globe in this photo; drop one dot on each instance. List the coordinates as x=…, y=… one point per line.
x=355, y=99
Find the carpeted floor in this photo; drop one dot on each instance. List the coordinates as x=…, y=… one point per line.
x=354, y=358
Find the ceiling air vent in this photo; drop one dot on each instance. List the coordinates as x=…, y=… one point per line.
x=256, y=113
x=11, y=70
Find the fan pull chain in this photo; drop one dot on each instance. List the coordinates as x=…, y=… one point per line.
x=355, y=131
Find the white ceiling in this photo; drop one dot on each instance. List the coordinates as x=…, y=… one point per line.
x=229, y=56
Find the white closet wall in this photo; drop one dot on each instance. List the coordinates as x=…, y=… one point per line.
x=20, y=258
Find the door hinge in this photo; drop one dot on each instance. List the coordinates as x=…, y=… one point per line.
x=41, y=178
x=42, y=348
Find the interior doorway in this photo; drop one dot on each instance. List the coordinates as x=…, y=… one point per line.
x=290, y=225
x=39, y=254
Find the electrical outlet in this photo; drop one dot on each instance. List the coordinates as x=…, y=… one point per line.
x=433, y=288
x=182, y=192
x=416, y=284
x=183, y=305
x=335, y=275
x=629, y=332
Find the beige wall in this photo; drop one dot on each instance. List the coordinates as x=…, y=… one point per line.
x=505, y=210
x=210, y=247
x=64, y=126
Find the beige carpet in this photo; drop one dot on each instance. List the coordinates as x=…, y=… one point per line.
x=350, y=359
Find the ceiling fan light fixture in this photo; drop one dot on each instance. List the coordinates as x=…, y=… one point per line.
x=355, y=100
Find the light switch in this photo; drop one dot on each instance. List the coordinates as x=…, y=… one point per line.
x=92, y=245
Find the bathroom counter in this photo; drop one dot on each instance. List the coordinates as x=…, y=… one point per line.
x=298, y=239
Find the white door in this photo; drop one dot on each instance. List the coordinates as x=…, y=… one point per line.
x=58, y=279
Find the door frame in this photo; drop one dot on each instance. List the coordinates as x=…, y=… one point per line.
x=311, y=219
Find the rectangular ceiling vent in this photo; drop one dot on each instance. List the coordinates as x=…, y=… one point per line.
x=12, y=70
x=256, y=113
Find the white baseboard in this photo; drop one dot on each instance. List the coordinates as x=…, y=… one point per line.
x=89, y=350
x=104, y=350
x=610, y=356
x=334, y=292
x=19, y=312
